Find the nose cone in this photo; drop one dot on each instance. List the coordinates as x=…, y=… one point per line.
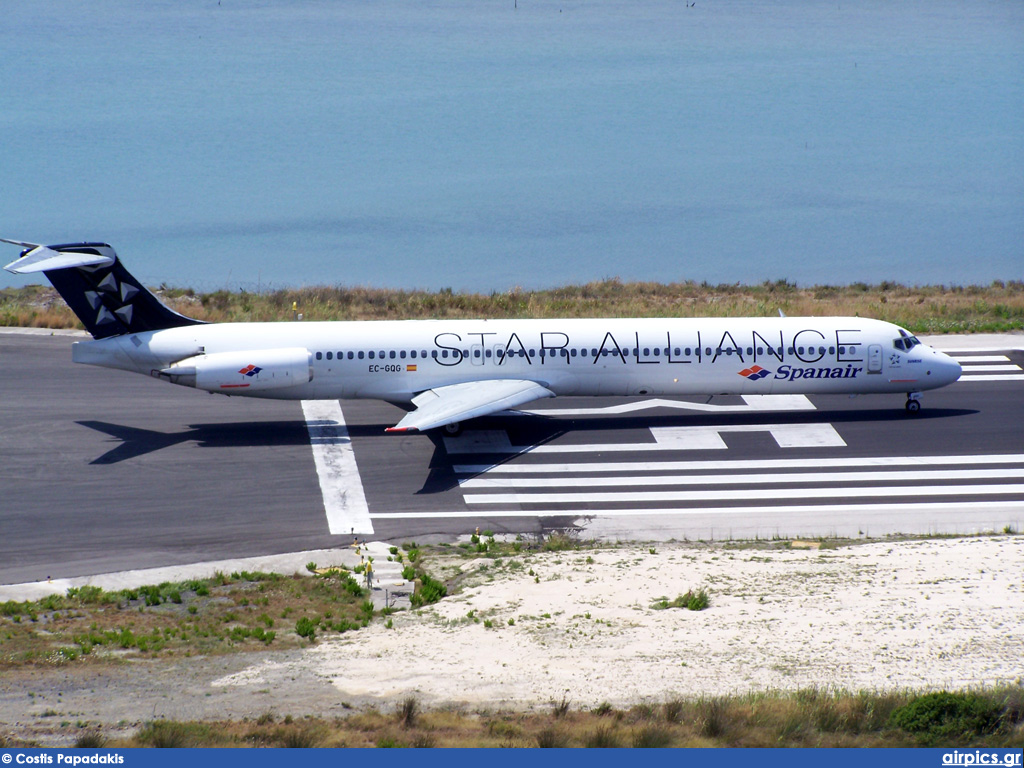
x=949, y=370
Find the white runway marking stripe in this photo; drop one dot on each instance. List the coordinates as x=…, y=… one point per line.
x=665, y=439
x=340, y=484
x=981, y=358
x=615, y=497
x=776, y=479
x=989, y=368
x=993, y=377
x=738, y=464
x=897, y=508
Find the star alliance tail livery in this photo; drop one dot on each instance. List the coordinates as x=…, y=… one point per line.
x=447, y=371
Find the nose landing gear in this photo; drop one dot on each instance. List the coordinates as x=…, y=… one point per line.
x=913, y=404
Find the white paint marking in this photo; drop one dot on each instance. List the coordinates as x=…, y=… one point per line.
x=981, y=358
x=989, y=368
x=612, y=497
x=786, y=435
x=738, y=464
x=722, y=479
x=340, y=484
x=666, y=439
x=753, y=403
x=941, y=506
x=994, y=377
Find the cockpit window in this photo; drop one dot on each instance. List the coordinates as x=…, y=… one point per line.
x=905, y=342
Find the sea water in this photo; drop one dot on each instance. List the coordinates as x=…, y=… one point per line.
x=487, y=144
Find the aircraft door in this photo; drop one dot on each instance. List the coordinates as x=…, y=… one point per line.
x=875, y=358
x=476, y=354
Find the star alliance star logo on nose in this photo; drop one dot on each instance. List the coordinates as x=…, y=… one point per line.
x=755, y=372
x=250, y=370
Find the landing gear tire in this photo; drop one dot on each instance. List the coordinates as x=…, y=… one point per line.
x=452, y=430
x=913, y=406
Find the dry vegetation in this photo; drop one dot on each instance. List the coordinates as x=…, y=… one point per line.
x=924, y=309
x=809, y=718
x=230, y=612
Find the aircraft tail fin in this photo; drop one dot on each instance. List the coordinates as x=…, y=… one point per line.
x=97, y=287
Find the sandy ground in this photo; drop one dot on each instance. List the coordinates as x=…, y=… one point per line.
x=922, y=614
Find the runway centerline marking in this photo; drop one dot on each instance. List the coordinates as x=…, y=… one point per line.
x=335, y=460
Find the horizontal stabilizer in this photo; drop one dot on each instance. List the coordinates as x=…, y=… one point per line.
x=458, y=402
x=43, y=259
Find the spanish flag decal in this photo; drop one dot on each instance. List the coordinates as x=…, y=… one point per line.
x=410, y=368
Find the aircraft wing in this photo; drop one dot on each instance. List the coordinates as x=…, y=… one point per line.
x=458, y=402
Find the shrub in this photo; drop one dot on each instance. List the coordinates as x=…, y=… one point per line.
x=407, y=712
x=561, y=708
x=943, y=715
x=604, y=737
x=306, y=627
x=552, y=738
x=431, y=590
x=91, y=740
x=651, y=737
x=711, y=716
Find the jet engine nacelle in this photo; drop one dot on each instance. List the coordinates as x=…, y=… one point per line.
x=243, y=372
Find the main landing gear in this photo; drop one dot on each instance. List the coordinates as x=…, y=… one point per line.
x=913, y=405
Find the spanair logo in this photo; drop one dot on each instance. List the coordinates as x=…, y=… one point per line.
x=755, y=372
x=250, y=370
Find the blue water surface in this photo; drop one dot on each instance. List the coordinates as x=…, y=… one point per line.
x=486, y=144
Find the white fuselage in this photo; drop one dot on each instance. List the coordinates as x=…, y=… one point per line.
x=396, y=360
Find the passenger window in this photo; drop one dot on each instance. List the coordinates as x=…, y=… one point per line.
x=350, y=356
x=391, y=354
x=330, y=355
x=831, y=350
x=572, y=352
x=372, y=354
x=361, y=354
x=750, y=350
x=760, y=350
x=319, y=355
x=412, y=354
x=402, y=354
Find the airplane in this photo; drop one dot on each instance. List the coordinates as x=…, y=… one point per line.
x=445, y=372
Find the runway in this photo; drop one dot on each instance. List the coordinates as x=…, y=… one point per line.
x=106, y=471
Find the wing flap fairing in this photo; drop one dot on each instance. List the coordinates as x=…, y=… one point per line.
x=458, y=402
